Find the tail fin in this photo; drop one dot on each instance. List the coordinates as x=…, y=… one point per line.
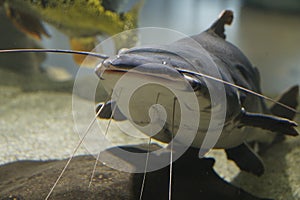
x=290, y=98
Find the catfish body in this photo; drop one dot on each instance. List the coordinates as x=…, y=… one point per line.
x=210, y=54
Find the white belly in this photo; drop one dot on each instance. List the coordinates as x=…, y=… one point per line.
x=148, y=95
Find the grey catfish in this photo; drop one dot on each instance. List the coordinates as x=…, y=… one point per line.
x=189, y=56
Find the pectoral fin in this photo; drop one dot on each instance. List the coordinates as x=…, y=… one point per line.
x=246, y=159
x=269, y=122
x=26, y=23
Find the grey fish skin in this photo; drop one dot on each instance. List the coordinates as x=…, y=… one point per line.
x=233, y=66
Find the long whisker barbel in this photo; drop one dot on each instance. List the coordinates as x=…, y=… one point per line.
x=145, y=170
x=171, y=153
x=58, y=51
x=105, y=134
x=73, y=153
x=147, y=158
x=238, y=87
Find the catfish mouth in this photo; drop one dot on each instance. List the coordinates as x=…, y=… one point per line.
x=107, y=67
x=110, y=69
x=122, y=63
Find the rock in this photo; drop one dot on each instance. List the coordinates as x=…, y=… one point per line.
x=34, y=179
x=192, y=178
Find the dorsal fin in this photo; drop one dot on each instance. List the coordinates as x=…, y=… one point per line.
x=218, y=27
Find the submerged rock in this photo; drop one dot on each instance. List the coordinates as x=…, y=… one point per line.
x=192, y=178
x=33, y=180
